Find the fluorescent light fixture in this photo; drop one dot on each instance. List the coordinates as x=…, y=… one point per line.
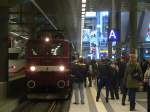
x=83, y=12
x=83, y=5
x=83, y=1
x=83, y=9
x=16, y=34
x=90, y=14
x=83, y=16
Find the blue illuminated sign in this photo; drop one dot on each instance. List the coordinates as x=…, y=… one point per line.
x=113, y=35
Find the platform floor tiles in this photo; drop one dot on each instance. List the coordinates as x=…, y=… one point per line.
x=8, y=105
x=101, y=105
x=79, y=107
x=116, y=106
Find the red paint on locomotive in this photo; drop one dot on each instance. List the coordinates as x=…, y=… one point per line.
x=48, y=64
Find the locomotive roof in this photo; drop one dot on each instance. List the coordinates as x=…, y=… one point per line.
x=40, y=39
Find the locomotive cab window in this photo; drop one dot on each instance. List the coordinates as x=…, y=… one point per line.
x=51, y=49
x=56, y=49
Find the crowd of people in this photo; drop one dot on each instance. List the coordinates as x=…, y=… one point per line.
x=117, y=76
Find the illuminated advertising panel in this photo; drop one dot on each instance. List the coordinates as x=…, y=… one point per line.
x=95, y=35
x=147, y=39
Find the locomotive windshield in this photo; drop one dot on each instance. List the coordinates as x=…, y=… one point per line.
x=52, y=49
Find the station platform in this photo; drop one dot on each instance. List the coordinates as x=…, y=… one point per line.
x=112, y=106
x=8, y=105
x=90, y=105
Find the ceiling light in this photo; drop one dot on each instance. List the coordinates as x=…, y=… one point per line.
x=83, y=1
x=83, y=12
x=83, y=5
x=83, y=16
x=83, y=9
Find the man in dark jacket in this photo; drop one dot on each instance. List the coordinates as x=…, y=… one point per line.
x=78, y=73
x=122, y=66
x=114, y=93
x=103, y=79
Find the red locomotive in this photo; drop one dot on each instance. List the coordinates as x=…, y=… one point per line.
x=48, y=65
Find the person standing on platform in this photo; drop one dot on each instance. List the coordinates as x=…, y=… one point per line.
x=133, y=74
x=147, y=81
x=122, y=66
x=95, y=71
x=78, y=74
x=103, y=79
x=144, y=66
x=123, y=88
x=114, y=89
x=90, y=73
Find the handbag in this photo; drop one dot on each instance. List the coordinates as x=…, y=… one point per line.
x=136, y=74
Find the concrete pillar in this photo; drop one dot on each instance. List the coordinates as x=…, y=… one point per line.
x=133, y=25
x=112, y=25
x=109, y=42
x=118, y=27
x=4, y=51
x=115, y=23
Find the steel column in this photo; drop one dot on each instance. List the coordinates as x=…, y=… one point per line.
x=4, y=51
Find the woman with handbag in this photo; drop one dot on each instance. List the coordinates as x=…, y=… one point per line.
x=133, y=74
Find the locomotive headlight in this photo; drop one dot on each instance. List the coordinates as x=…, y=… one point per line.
x=61, y=68
x=47, y=39
x=32, y=68
x=12, y=67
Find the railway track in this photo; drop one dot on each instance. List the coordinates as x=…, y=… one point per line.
x=52, y=107
x=34, y=106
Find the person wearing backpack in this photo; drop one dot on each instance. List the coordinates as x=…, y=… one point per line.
x=132, y=75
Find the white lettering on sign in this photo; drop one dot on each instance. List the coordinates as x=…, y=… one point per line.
x=112, y=35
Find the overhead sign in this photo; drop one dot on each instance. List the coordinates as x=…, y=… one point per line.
x=113, y=35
